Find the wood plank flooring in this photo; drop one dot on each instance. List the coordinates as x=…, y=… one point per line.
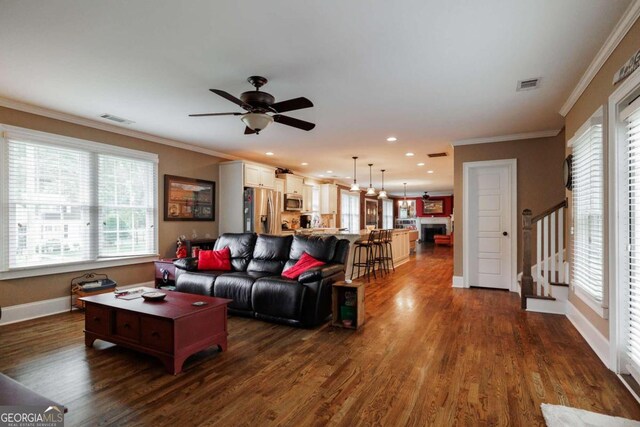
x=428, y=355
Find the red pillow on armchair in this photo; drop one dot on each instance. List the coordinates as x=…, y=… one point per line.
x=306, y=262
x=215, y=260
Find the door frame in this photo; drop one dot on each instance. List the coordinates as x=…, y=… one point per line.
x=512, y=165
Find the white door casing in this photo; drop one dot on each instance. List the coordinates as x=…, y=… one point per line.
x=489, y=224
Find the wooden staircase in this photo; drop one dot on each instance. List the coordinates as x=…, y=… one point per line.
x=544, y=286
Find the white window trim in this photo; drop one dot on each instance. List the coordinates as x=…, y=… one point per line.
x=616, y=132
x=95, y=147
x=600, y=308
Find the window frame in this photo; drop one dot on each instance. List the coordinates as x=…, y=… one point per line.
x=95, y=148
x=387, y=204
x=599, y=307
x=359, y=210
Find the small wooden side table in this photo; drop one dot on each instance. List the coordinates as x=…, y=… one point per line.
x=348, y=304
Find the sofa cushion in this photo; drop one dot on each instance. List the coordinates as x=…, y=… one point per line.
x=241, y=247
x=236, y=286
x=306, y=262
x=319, y=247
x=197, y=282
x=215, y=260
x=278, y=297
x=270, y=254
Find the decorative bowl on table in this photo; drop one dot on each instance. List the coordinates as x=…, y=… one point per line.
x=154, y=296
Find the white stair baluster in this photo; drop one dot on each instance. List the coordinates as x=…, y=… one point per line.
x=561, y=245
x=552, y=244
x=545, y=254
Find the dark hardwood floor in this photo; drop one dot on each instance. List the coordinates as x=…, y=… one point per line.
x=428, y=355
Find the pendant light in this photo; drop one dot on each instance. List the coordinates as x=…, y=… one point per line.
x=370, y=191
x=382, y=194
x=354, y=187
x=404, y=202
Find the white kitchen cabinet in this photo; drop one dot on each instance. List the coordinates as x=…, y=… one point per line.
x=307, y=198
x=259, y=176
x=293, y=184
x=328, y=199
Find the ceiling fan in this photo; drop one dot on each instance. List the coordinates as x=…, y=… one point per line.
x=258, y=104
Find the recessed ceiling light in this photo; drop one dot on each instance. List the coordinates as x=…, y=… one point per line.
x=409, y=154
x=420, y=164
x=329, y=171
x=269, y=153
x=322, y=176
x=347, y=177
x=304, y=164
x=429, y=171
x=392, y=139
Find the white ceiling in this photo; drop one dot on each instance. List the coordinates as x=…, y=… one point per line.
x=426, y=71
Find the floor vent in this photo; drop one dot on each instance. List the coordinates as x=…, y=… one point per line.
x=117, y=119
x=443, y=154
x=528, y=84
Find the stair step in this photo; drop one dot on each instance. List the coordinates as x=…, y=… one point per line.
x=540, y=297
x=566, y=285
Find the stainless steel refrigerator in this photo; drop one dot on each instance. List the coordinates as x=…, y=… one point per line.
x=262, y=209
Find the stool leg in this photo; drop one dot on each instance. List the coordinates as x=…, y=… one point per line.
x=391, y=255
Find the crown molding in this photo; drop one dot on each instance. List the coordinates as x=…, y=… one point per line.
x=512, y=137
x=617, y=34
x=70, y=118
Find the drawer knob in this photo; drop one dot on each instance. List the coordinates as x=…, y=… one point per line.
x=127, y=326
x=155, y=334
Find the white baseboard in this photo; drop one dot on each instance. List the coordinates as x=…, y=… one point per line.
x=546, y=306
x=592, y=336
x=458, y=282
x=33, y=310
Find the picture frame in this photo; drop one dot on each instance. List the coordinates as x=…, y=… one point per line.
x=188, y=199
x=431, y=207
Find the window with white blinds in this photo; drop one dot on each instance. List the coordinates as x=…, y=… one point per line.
x=72, y=201
x=350, y=210
x=387, y=214
x=631, y=283
x=588, y=208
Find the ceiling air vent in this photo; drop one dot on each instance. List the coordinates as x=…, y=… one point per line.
x=117, y=119
x=443, y=154
x=528, y=84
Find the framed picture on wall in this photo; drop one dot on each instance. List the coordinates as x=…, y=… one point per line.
x=371, y=212
x=430, y=207
x=188, y=199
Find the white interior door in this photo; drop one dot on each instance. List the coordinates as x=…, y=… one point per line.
x=490, y=225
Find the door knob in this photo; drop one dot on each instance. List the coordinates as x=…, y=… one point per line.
x=504, y=233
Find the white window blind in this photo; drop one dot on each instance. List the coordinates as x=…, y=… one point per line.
x=350, y=207
x=632, y=257
x=72, y=201
x=387, y=214
x=588, y=208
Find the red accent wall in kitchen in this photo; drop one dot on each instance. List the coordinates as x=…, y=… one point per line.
x=447, y=205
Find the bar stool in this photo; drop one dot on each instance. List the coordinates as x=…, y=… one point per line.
x=387, y=249
x=371, y=246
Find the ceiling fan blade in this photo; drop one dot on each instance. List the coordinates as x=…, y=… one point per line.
x=232, y=98
x=215, y=114
x=296, y=123
x=292, y=104
x=248, y=131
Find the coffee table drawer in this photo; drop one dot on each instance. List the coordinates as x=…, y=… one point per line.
x=157, y=333
x=97, y=319
x=127, y=325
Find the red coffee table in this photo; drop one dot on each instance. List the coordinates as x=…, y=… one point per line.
x=170, y=330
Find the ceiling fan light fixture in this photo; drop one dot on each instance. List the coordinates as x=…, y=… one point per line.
x=257, y=121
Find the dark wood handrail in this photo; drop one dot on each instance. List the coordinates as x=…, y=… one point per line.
x=549, y=211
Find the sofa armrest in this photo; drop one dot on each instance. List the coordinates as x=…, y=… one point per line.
x=188, y=264
x=319, y=273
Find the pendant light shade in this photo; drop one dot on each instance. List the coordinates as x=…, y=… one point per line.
x=370, y=191
x=382, y=194
x=404, y=202
x=354, y=187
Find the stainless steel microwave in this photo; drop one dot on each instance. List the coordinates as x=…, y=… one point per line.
x=292, y=202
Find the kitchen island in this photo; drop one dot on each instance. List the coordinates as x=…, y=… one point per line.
x=399, y=243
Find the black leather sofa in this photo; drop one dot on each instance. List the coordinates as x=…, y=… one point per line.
x=255, y=283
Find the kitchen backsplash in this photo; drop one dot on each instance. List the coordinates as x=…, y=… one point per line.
x=293, y=220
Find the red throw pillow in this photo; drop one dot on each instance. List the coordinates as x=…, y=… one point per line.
x=215, y=260
x=305, y=263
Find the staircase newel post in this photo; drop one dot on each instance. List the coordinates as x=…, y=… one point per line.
x=526, y=287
